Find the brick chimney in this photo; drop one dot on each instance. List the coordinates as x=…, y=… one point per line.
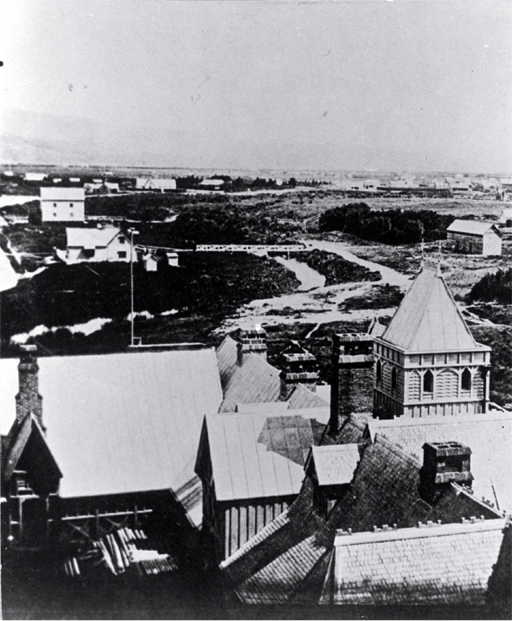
x=251, y=342
x=352, y=377
x=443, y=463
x=28, y=399
x=299, y=366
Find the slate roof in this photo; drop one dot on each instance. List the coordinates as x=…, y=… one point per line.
x=489, y=436
x=90, y=238
x=447, y=564
x=335, y=465
x=260, y=455
x=291, y=553
x=255, y=381
x=471, y=227
x=121, y=423
x=226, y=359
x=428, y=319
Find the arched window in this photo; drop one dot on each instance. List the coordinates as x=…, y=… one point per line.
x=393, y=378
x=379, y=371
x=428, y=382
x=465, y=380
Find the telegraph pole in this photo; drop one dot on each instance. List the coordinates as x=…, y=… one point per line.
x=132, y=233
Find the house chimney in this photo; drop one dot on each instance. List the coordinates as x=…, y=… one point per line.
x=251, y=342
x=299, y=366
x=443, y=463
x=28, y=399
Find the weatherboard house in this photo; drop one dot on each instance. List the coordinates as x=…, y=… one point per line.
x=96, y=244
x=472, y=237
x=60, y=204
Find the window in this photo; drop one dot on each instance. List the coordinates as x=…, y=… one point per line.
x=393, y=379
x=465, y=380
x=122, y=240
x=71, y=205
x=55, y=204
x=428, y=382
x=379, y=371
x=71, y=215
x=121, y=255
x=54, y=215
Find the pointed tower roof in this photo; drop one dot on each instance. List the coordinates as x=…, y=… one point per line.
x=428, y=318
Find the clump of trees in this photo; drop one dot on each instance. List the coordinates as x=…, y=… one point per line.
x=495, y=287
x=393, y=226
x=336, y=269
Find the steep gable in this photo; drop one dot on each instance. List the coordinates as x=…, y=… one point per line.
x=428, y=319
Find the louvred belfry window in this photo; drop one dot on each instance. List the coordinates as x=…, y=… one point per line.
x=465, y=382
x=428, y=382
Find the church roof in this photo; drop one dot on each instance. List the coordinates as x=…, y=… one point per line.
x=448, y=563
x=428, y=319
x=123, y=423
x=261, y=455
x=488, y=435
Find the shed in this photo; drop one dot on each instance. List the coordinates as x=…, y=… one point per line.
x=474, y=237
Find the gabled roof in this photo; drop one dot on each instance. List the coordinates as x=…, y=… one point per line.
x=428, y=319
x=336, y=464
x=62, y=194
x=448, y=564
x=489, y=437
x=29, y=436
x=302, y=397
x=91, y=238
x=260, y=455
x=227, y=359
x=255, y=381
x=121, y=423
x=471, y=227
x=276, y=564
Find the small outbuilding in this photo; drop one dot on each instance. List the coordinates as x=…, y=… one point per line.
x=472, y=237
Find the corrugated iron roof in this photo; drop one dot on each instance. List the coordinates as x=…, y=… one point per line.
x=335, y=465
x=259, y=455
x=489, y=436
x=255, y=381
x=90, y=238
x=448, y=564
x=428, y=319
x=121, y=423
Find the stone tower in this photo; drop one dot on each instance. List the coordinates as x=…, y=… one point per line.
x=28, y=399
x=427, y=362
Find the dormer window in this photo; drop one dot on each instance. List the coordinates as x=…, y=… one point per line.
x=465, y=380
x=428, y=382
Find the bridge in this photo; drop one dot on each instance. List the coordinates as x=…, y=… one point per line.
x=254, y=248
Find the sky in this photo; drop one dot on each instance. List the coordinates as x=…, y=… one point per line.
x=410, y=85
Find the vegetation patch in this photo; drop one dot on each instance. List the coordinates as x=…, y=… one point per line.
x=391, y=226
x=495, y=287
x=496, y=313
x=336, y=269
x=380, y=296
x=207, y=283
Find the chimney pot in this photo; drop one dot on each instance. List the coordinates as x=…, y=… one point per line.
x=443, y=463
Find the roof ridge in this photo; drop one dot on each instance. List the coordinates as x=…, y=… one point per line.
x=430, y=529
x=438, y=420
